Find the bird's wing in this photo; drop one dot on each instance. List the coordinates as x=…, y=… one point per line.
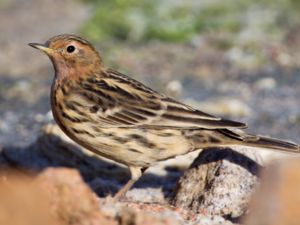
x=123, y=102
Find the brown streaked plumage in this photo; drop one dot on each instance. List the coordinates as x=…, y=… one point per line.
x=119, y=118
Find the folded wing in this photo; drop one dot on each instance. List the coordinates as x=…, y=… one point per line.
x=124, y=102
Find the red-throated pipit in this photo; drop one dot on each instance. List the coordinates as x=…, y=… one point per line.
x=121, y=119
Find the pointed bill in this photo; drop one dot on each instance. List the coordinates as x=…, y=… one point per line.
x=42, y=47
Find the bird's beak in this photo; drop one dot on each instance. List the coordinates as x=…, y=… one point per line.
x=42, y=47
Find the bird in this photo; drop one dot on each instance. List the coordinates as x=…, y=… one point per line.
x=120, y=118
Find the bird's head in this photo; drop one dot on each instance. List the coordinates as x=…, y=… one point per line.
x=71, y=55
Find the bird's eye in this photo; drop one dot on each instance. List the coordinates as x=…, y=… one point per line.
x=70, y=49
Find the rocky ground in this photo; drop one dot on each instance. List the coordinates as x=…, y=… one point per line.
x=74, y=187
x=218, y=184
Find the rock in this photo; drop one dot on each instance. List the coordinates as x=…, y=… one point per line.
x=55, y=197
x=211, y=220
x=278, y=197
x=285, y=59
x=128, y=217
x=267, y=83
x=71, y=200
x=152, y=213
x=219, y=182
x=243, y=59
x=23, y=202
x=174, y=88
x=129, y=212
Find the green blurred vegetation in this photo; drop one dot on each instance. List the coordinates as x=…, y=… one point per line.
x=2, y=2
x=180, y=20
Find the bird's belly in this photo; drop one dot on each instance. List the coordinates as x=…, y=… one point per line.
x=130, y=146
x=138, y=147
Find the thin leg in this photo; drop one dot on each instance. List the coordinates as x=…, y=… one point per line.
x=136, y=173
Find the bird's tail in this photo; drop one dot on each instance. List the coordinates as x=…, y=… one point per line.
x=272, y=143
x=261, y=142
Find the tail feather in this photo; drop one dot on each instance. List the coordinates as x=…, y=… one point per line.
x=272, y=143
x=242, y=138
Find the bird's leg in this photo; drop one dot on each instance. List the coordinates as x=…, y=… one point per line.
x=136, y=173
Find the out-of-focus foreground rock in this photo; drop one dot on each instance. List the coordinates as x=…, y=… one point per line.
x=278, y=198
x=56, y=196
x=23, y=202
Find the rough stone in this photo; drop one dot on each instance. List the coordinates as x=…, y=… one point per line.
x=129, y=216
x=219, y=182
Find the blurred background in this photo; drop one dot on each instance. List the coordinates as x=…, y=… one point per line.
x=236, y=59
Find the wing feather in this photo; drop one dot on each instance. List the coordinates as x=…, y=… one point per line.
x=127, y=103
